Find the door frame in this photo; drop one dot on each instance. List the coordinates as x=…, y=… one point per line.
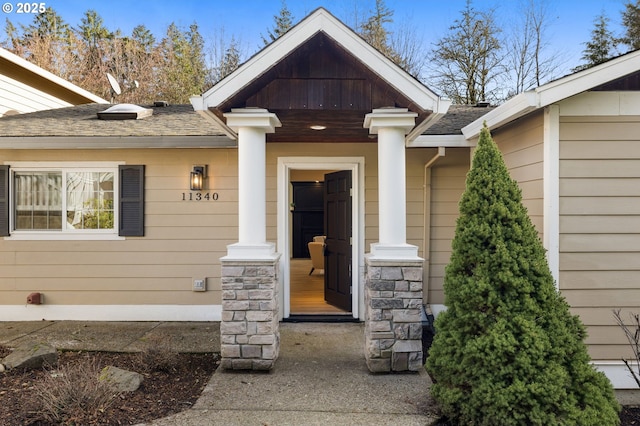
x=356, y=165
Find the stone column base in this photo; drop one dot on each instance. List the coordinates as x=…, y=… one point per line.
x=249, y=330
x=393, y=303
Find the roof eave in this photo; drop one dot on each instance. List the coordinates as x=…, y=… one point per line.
x=514, y=108
x=32, y=68
x=198, y=104
x=555, y=91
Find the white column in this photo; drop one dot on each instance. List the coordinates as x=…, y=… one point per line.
x=551, y=166
x=252, y=125
x=391, y=125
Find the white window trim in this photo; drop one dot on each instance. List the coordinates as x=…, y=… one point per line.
x=42, y=235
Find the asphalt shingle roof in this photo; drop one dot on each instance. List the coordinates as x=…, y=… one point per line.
x=81, y=120
x=456, y=118
x=172, y=120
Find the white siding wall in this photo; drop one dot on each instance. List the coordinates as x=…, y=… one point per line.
x=16, y=96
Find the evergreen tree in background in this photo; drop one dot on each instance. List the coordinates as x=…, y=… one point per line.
x=374, y=30
x=230, y=62
x=184, y=69
x=602, y=46
x=282, y=22
x=507, y=351
x=631, y=23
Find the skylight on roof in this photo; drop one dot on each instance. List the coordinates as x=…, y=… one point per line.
x=125, y=112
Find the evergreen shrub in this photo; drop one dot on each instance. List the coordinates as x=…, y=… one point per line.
x=507, y=351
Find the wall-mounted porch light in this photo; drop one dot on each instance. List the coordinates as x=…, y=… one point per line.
x=197, y=177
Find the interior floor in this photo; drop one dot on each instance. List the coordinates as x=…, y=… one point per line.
x=307, y=291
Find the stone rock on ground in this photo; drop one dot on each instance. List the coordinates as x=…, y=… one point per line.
x=29, y=356
x=122, y=380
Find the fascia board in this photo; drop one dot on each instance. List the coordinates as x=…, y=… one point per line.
x=574, y=84
x=435, y=141
x=54, y=79
x=321, y=20
x=514, y=108
x=441, y=110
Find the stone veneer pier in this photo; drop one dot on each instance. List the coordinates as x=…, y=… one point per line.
x=249, y=330
x=393, y=309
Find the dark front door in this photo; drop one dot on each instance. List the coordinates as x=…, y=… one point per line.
x=337, y=225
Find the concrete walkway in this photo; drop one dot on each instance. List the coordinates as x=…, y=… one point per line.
x=320, y=377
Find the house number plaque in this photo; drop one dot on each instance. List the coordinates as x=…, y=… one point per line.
x=199, y=196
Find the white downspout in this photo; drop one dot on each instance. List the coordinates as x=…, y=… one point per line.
x=426, y=232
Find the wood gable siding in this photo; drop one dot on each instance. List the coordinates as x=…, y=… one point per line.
x=600, y=224
x=319, y=83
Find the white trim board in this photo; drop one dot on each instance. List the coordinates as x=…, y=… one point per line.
x=602, y=104
x=551, y=184
x=356, y=165
x=110, y=312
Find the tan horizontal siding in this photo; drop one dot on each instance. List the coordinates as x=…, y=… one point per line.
x=521, y=145
x=600, y=225
x=623, y=243
x=183, y=239
x=448, y=178
x=601, y=280
x=603, y=187
x=149, y=284
x=595, y=260
x=605, y=129
x=134, y=297
x=599, y=150
x=595, y=168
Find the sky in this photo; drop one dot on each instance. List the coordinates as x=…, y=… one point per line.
x=570, y=22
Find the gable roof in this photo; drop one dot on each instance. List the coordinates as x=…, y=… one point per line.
x=321, y=22
x=17, y=71
x=555, y=91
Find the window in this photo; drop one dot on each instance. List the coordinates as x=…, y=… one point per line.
x=83, y=198
x=48, y=200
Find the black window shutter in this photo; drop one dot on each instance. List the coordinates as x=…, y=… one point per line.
x=131, y=201
x=4, y=201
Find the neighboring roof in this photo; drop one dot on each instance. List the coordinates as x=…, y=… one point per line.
x=33, y=76
x=555, y=91
x=79, y=127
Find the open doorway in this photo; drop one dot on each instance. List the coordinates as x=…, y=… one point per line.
x=320, y=264
x=303, y=291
